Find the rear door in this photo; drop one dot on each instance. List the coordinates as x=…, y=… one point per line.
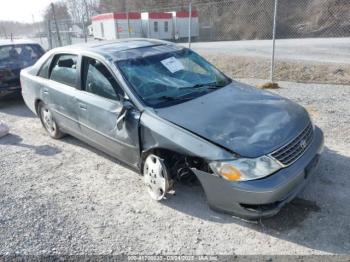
x=62, y=91
x=100, y=108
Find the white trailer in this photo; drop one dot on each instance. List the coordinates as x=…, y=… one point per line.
x=110, y=26
x=181, y=24
x=158, y=25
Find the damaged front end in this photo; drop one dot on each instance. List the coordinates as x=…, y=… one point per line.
x=249, y=188
x=263, y=196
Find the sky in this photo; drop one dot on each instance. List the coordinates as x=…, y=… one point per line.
x=23, y=10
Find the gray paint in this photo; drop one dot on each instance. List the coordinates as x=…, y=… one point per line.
x=237, y=119
x=279, y=188
x=245, y=120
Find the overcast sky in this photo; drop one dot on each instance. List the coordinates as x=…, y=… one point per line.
x=22, y=10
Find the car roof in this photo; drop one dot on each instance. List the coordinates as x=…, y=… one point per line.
x=5, y=42
x=122, y=49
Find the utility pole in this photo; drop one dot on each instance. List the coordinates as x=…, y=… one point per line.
x=272, y=71
x=127, y=13
x=189, y=23
x=56, y=25
x=49, y=33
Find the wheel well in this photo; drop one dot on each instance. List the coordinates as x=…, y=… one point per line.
x=36, y=104
x=179, y=165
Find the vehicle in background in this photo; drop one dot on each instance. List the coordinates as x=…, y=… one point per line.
x=14, y=56
x=158, y=25
x=110, y=26
x=172, y=116
x=181, y=25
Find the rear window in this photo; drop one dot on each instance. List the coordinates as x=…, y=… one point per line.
x=21, y=55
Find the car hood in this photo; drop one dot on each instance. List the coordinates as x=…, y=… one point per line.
x=243, y=119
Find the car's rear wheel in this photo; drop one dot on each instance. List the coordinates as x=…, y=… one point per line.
x=156, y=177
x=48, y=121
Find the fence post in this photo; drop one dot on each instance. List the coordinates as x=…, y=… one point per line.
x=56, y=25
x=189, y=23
x=127, y=13
x=85, y=23
x=272, y=71
x=84, y=30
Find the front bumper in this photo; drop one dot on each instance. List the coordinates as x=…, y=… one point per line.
x=264, y=197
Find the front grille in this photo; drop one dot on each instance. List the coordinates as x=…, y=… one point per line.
x=292, y=151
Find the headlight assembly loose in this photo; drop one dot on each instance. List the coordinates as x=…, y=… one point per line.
x=245, y=169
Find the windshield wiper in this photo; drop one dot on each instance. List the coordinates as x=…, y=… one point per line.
x=212, y=85
x=171, y=98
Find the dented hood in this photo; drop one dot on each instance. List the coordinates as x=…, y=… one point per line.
x=240, y=118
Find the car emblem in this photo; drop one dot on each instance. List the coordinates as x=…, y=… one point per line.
x=303, y=144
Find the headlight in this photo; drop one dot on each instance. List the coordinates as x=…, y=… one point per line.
x=244, y=169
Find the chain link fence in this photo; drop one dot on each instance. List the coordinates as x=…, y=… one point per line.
x=312, y=36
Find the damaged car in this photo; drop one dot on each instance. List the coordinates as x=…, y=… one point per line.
x=169, y=114
x=14, y=56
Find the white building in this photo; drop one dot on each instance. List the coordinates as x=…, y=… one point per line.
x=181, y=24
x=158, y=25
x=111, y=26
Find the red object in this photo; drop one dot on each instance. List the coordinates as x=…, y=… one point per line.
x=120, y=16
x=159, y=15
x=183, y=14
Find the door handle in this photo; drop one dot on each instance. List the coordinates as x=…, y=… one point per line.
x=82, y=106
x=45, y=91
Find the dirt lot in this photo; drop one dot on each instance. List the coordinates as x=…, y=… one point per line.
x=64, y=197
x=288, y=70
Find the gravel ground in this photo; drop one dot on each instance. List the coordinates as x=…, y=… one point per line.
x=287, y=70
x=64, y=197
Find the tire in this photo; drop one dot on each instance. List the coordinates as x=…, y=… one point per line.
x=48, y=121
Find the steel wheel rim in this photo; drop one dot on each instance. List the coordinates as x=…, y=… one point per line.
x=155, y=177
x=47, y=119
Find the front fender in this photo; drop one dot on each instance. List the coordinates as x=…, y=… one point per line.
x=159, y=133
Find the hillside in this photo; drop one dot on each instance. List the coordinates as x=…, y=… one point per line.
x=252, y=19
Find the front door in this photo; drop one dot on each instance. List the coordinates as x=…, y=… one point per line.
x=103, y=120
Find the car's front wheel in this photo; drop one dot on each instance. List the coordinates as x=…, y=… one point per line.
x=156, y=177
x=48, y=121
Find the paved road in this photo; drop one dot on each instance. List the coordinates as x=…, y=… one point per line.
x=328, y=50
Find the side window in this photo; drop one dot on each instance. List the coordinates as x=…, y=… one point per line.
x=99, y=81
x=44, y=70
x=155, y=25
x=166, y=26
x=64, y=69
